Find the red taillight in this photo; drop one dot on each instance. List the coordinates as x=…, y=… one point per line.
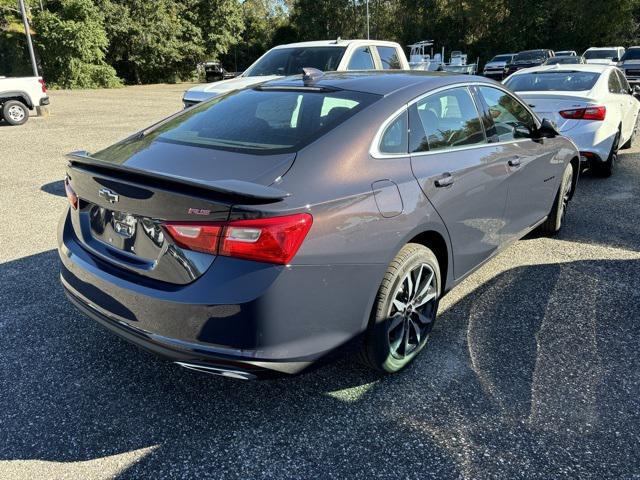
x=589, y=113
x=71, y=195
x=43, y=85
x=198, y=237
x=272, y=240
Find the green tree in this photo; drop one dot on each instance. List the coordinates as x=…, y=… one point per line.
x=71, y=41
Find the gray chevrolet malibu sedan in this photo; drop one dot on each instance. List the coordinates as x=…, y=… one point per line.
x=272, y=227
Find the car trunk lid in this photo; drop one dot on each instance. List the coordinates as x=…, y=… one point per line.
x=124, y=199
x=550, y=104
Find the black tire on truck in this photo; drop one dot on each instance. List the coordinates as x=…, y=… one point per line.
x=15, y=112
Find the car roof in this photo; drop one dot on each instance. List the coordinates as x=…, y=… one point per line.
x=380, y=82
x=337, y=43
x=535, y=50
x=578, y=67
x=602, y=48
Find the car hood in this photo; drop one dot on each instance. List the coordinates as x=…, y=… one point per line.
x=601, y=61
x=210, y=90
x=630, y=63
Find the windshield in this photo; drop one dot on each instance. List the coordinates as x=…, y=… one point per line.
x=501, y=58
x=544, y=81
x=532, y=55
x=632, y=54
x=291, y=61
x=556, y=60
x=263, y=120
x=599, y=54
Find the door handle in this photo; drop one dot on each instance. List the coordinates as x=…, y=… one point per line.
x=445, y=181
x=514, y=162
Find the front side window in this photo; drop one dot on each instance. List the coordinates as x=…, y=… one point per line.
x=261, y=120
x=361, y=59
x=389, y=58
x=291, y=61
x=511, y=119
x=445, y=120
x=395, y=137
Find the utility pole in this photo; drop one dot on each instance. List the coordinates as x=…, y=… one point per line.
x=27, y=32
x=367, y=19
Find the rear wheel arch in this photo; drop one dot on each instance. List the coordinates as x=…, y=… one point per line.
x=434, y=241
x=19, y=96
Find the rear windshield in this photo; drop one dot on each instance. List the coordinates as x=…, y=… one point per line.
x=556, y=60
x=263, y=121
x=533, y=55
x=632, y=54
x=599, y=54
x=544, y=81
x=291, y=61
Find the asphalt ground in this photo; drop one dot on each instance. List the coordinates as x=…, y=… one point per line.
x=532, y=371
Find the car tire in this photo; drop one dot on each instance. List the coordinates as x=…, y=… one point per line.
x=553, y=223
x=15, y=112
x=605, y=169
x=400, y=323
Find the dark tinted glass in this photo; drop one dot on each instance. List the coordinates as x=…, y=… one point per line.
x=395, y=137
x=263, y=121
x=544, y=81
x=624, y=84
x=510, y=117
x=445, y=120
x=563, y=60
x=631, y=54
x=389, y=58
x=501, y=58
x=291, y=61
x=532, y=55
x=361, y=59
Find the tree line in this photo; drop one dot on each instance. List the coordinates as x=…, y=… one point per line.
x=105, y=43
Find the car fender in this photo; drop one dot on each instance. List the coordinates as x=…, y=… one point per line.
x=17, y=94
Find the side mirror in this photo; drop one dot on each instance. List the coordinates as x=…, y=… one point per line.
x=615, y=59
x=547, y=129
x=635, y=91
x=520, y=130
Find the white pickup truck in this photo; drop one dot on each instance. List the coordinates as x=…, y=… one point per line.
x=18, y=95
x=326, y=55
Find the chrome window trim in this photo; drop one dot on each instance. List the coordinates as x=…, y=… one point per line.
x=374, y=149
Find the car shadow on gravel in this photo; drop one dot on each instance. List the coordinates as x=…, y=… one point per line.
x=534, y=372
x=54, y=188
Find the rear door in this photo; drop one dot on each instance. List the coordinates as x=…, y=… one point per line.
x=630, y=108
x=532, y=169
x=461, y=174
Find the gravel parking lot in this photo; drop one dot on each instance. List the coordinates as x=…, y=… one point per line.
x=533, y=370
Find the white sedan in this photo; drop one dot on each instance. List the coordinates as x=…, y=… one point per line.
x=593, y=105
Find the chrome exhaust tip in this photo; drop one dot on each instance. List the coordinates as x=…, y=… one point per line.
x=220, y=371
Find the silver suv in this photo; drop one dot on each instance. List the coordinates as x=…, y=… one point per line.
x=630, y=65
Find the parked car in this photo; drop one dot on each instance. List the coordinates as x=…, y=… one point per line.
x=630, y=65
x=329, y=55
x=566, y=60
x=285, y=222
x=529, y=58
x=603, y=55
x=496, y=68
x=18, y=95
x=591, y=104
x=566, y=53
x=214, y=71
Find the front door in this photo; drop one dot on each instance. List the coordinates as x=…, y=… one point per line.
x=461, y=174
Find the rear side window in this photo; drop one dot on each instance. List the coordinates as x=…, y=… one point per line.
x=614, y=82
x=389, y=58
x=395, y=137
x=508, y=114
x=445, y=120
x=624, y=84
x=263, y=121
x=361, y=59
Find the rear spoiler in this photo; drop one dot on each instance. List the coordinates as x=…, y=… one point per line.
x=235, y=188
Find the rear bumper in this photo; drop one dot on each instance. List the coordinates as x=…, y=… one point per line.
x=593, y=137
x=254, y=317
x=44, y=101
